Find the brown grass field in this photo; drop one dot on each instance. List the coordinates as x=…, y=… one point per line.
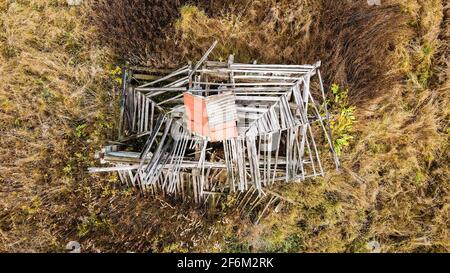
x=59, y=102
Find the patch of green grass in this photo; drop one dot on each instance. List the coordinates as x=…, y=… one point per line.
x=175, y=248
x=116, y=74
x=91, y=224
x=419, y=177
x=233, y=245
x=67, y=169
x=343, y=118
x=80, y=130
x=289, y=243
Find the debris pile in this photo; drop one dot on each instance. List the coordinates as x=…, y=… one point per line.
x=218, y=127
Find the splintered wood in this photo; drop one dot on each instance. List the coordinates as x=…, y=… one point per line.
x=206, y=130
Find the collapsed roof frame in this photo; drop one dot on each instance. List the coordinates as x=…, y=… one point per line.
x=273, y=111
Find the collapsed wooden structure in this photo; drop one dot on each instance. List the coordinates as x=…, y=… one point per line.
x=217, y=127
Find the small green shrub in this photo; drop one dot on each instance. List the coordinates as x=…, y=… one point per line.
x=343, y=119
x=80, y=130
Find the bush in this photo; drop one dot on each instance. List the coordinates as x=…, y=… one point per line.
x=343, y=118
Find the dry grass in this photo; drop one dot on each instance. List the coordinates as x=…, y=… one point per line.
x=53, y=80
x=57, y=106
x=394, y=187
x=138, y=31
x=341, y=34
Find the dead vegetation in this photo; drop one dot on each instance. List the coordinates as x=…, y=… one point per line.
x=137, y=30
x=57, y=107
